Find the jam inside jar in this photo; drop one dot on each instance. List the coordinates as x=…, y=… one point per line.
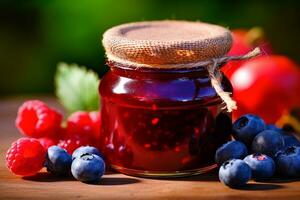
x=161, y=123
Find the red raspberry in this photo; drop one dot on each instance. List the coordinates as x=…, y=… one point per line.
x=72, y=143
x=47, y=142
x=25, y=157
x=96, y=119
x=36, y=119
x=84, y=124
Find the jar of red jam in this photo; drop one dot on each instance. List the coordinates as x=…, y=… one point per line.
x=161, y=116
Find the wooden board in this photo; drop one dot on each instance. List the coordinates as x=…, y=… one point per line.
x=118, y=186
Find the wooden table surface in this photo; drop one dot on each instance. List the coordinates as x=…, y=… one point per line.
x=118, y=186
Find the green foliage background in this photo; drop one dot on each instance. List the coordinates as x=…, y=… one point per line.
x=37, y=34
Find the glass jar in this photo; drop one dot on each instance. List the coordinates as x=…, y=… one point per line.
x=160, y=115
x=161, y=123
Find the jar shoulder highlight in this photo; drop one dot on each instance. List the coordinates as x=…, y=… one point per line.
x=181, y=89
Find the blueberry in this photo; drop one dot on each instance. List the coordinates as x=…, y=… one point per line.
x=268, y=142
x=263, y=166
x=229, y=150
x=290, y=140
x=58, y=161
x=84, y=150
x=247, y=127
x=88, y=168
x=234, y=173
x=288, y=161
x=274, y=128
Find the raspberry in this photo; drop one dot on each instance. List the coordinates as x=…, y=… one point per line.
x=36, y=119
x=84, y=124
x=73, y=142
x=47, y=142
x=96, y=119
x=25, y=157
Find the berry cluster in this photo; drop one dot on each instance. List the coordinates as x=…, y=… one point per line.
x=272, y=150
x=83, y=128
x=258, y=151
x=42, y=126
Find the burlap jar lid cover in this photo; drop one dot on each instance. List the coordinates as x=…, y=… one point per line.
x=173, y=45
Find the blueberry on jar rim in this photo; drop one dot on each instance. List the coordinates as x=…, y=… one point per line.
x=247, y=127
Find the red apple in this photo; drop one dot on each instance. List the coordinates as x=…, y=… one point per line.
x=243, y=42
x=267, y=86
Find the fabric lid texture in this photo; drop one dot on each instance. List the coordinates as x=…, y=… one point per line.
x=166, y=42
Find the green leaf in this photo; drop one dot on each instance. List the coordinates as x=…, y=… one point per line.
x=77, y=87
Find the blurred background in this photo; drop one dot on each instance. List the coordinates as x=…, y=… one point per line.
x=35, y=35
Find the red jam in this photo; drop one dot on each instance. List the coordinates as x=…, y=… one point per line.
x=161, y=123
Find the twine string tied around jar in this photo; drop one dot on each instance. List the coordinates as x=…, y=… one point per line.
x=216, y=76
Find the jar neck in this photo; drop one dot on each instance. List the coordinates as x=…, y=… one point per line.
x=128, y=71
